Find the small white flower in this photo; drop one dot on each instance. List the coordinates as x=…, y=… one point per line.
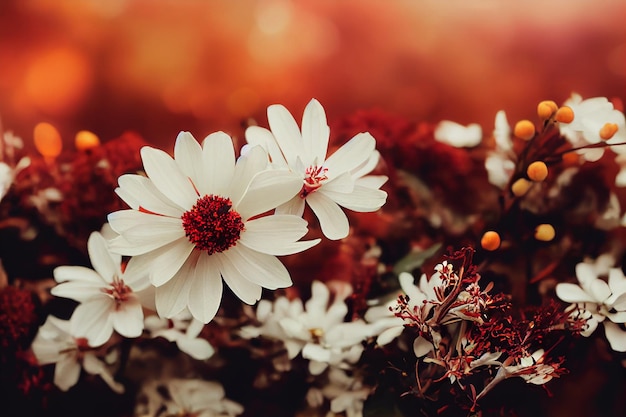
x=531, y=369
x=319, y=330
x=457, y=135
x=326, y=183
x=55, y=344
x=108, y=299
x=595, y=299
x=184, y=331
x=195, y=221
x=590, y=115
x=187, y=397
x=346, y=394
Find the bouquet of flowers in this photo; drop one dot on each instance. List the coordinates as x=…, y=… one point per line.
x=387, y=268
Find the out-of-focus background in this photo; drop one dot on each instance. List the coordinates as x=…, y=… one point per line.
x=161, y=66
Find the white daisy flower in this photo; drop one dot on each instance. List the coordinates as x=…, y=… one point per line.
x=108, y=299
x=55, y=344
x=196, y=220
x=326, y=184
x=596, y=300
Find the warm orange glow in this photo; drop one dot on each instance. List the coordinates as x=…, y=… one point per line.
x=47, y=140
x=520, y=187
x=86, y=140
x=545, y=232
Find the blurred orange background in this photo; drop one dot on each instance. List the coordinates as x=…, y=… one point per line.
x=161, y=66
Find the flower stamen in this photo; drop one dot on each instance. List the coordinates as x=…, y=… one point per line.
x=313, y=179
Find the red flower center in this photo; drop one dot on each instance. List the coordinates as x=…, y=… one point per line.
x=313, y=177
x=211, y=225
x=118, y=290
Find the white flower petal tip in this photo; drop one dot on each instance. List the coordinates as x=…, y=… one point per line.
x=457, y=135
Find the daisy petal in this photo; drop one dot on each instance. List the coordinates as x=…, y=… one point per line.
x=66, y=373
x=259, y=136
x=218, y=156
x=351, y=155
x=167, y=177
x=259, y=268
x=286, y=131
x=295, y=206
x=247, y=291
x=389, y=335
x=616, y=336
x=128, y=319
x=268, y=189
x=248, y=165
x=205, y=293
x=107, y=265
x=188, y=157
x=315, y=133
x=138, y=191
x=275, y=235
x=197, y=348
x=333, y=220
x=361, y=199
x=168, y=260
x=92, y=320
x=171, y=298
x=572, y=293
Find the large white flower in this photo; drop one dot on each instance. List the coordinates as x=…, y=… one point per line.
x=197, y=220
x=108, y=299
x=55, y=344
x=596, y=299
x=326, y=184
x=590, y=115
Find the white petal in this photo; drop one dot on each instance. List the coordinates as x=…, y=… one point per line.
x=78, y=290
x=106, y=264
x=372, y=181
x=77, y=274
x=351, y=155
x=617, y=281
x=95, y=366
x=247, y=166
x=171, y=298
x=361, y=199
x=315, y=133
x=276, y=235
x=316, y=368
x=389, y=335
x=139, y=192
x=148, y=235
x=599, y=290
x=421, y=346
x=457, y=135
x=616, y=336
x=286, y=132
x=92, y=320
x=344, y=335
x=167, y=177
x=316, y=353
x=294, y=206
x=247, y=291
x=188, y=157
x=259, y=136
x=66, y=373
x=573, y=294
x=167, y=260
x=197, y=348
x=344, y=183
x=218, y=156
x=258, y=268
x=127, y=319
x=205, y=294
x=268, y=189
x=367, y=166
x=333, y=220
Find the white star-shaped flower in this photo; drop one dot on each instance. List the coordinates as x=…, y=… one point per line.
x=196, y=219
x=596, y=299
x=108, y=299
x=326, y=183
x=55, y=344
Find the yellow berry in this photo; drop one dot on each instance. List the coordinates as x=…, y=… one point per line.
x=86, y=140
x=537, y=171
x=524, y=129
x=546, y=109
x=608, y=130
x=490, y=241
x=545, y=232
x=520, y=187
x=564, y=115
x=47, y=140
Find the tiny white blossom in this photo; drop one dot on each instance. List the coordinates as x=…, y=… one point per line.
x=55, y=344
x=457, y=135
x=184, y=330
